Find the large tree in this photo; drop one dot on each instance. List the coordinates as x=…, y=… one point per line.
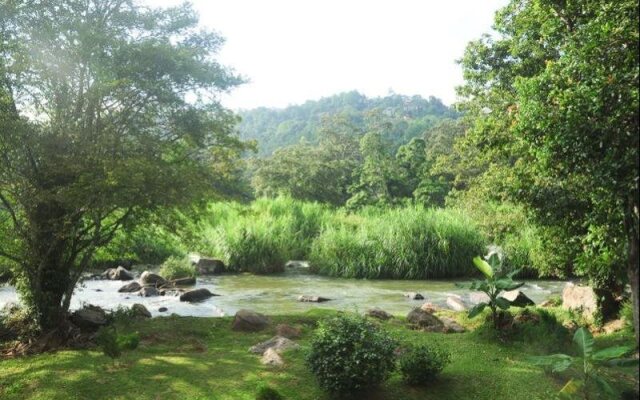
x=555, y=102
x=107, y=109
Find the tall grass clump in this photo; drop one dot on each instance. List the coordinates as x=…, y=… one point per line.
x=263, y=236
x=403, y=243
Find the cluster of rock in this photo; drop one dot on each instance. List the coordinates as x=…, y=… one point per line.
x=457, y=303
x=91, y=318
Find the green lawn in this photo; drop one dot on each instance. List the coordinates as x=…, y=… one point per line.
x=202, y=358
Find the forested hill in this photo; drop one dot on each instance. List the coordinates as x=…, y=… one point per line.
x=406, y=116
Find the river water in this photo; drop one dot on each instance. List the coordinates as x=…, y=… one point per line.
x=277, y=294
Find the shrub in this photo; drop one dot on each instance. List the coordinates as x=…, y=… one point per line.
x=626, y=313
x=421, y=364
x=350, y=353
x=268, y=393
x=112, y=343
x=175, y=267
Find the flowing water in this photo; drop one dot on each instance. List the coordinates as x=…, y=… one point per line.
x=277, y=294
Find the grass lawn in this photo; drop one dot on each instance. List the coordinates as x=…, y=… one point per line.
x=202, y=358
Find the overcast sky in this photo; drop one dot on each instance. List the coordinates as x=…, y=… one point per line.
x=292, y=51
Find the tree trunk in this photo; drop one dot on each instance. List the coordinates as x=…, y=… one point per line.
x=631, y=226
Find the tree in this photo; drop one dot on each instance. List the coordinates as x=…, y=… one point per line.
x=106, y=112
x=556, y=98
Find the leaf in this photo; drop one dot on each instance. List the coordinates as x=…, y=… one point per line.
x=571, y=387
x=622, y=362
x=557, y=362
x=584, y=339
x=513, y=273
x=602, y=384
x=611, y=352
x=507, y=284
x=503, y=303
x=483, y=266
x=477, y=309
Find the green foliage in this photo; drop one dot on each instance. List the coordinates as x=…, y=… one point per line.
x=403, y=243
x=588, y=362
x=350, y=353
x=266, y=392
x=174, y=267
x=496, y=281
x=113, y=344
x=420, y=365
x=626, y=313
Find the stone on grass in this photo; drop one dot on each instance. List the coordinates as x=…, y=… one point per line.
x=414, y=296
x=272, y=358
x=249, y=321
x=456, y=304
x=378, y=313
x=451, y=325
x=517, y=298
x=277, y=343
x=579, y=298
x=425, y=320
x=89, y=318
x=130, y=288
x=140, y=310
x=312, y=299
x=287, y=331
x=196, y=295
x=150, y=279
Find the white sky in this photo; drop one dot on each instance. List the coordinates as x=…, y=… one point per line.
x=292, y=51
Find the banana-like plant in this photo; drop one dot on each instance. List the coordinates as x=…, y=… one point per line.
x=496, y=281
x=588, y=363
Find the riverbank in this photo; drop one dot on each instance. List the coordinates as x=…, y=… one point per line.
x=202, y=358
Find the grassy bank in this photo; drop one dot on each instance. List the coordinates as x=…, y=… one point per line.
x=202, y=358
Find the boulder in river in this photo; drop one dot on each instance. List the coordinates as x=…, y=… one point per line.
x=149, y=291
x=89, y=318
x=210, y=266
x=196, y=295
x=118, y=274
x=150, y=279
x=163, y=309
x=277, y=343
x=130, y=288
x=414, y=296
x=517, y=298
x=312, y=299
x=456, y=304
x=140, y=310
x=249, y=321
x=190, y=281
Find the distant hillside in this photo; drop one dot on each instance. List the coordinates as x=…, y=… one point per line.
x=275, y=128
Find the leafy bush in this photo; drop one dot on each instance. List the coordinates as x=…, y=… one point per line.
x=112, y=343
x=268, y=393
x=626, y=313
x=421, y=364
x=350, y=353
x=175, y=267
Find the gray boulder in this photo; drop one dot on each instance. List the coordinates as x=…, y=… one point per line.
x=312, y=299
x=118, y=274
x=249, y=321
x=150, y=279
x=277, y=343
x=451, y=325
x=130, y=288
x=271, y=358
x=517, y=298
x=425, y=320
x=89, y=318
x=163, y=309
x=456, y=304
x=140, y=310
x=379, y=314
x=580, y=298
x=210, y=266
x=414, y=296
x=148, y=291
x=183, y=282
x=196, y=295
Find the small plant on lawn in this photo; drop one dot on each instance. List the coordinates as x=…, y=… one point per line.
x=268, y=393
x=421, y=364
x=496, y=281
x=112, y=344
x=176, y=267
x=586, y=364
x=350, y=353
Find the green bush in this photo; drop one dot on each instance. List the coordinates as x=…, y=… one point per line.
x=113, y=344
x=350, y=353
x=177, y=267
x=268, y=393
x=626, y=313
x=421, y=364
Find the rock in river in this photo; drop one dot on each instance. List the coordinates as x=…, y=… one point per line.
x=118, y=274
x=312, y=299
x=209, y=266
x=517, y=298
x=414, y=296
x=455, y=304
x=150, y=279
x=130, y=288
x=148, y=291
x=196, y=295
